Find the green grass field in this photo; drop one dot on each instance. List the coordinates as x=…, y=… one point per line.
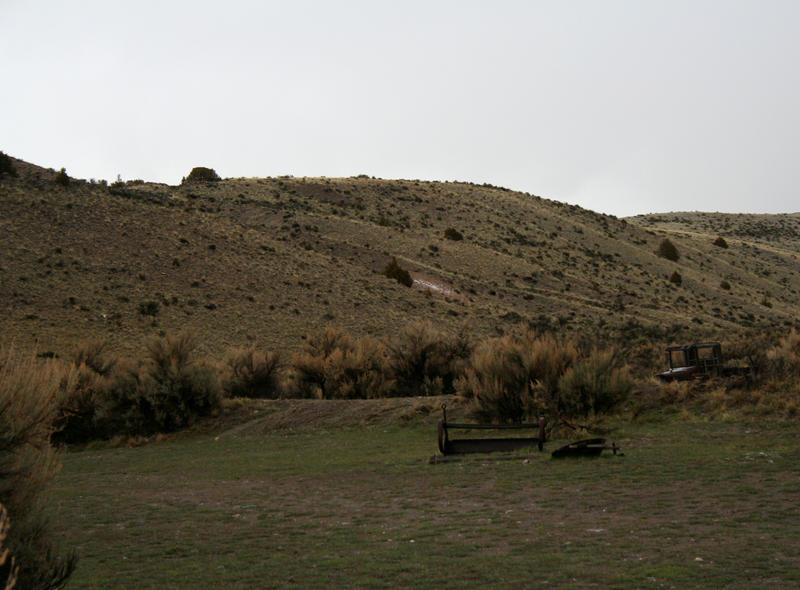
x=689, y=505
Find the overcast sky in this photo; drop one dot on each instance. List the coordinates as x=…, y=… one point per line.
x=622, y=107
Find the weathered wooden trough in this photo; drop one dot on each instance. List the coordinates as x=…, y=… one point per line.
x=449, y=446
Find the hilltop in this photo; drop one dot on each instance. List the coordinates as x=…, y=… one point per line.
x=265, y=261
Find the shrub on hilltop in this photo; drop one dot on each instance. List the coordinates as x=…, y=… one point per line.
x=62, y=178
x=7, y=166
x=201, y=174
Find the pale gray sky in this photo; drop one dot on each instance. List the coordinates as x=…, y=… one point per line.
x=623, y=107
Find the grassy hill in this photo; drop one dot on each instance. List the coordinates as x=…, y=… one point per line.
x=265, y=261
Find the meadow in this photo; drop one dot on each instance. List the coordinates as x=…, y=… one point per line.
x=139, y=315
x=310, y=497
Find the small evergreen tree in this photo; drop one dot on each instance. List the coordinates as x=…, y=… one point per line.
x=668, y=250
x=202, y=174
x=7, y=166
x=62, y=177
x=394, y=271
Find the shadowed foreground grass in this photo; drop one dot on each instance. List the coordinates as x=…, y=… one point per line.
x=690, y=505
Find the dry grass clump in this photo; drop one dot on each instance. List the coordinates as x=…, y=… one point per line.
x=28, y=400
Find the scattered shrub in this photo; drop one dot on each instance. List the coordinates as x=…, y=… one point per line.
x=453, y=234
x=150, y=308
x=7, y=166
x=169, y=391
x=591, y=386
x=720, y=241
x=725, y=285
x=676, y=278
x=394, y=271
x=28, y=401
x=94, y=354
x=254, y=374
x=426, y=362
x=335, y=366
x=668, y=250
x=62, y=178
x=522, y=376
x=8, y=566
x=783, y=360
x=360, y=373
x=202, y=174
x=82, y=401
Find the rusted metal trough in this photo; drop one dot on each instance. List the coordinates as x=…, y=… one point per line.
x=448, y=446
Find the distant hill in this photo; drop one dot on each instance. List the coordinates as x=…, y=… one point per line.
x=265, y=261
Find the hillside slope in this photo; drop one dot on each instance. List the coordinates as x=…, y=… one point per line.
x=265, y=261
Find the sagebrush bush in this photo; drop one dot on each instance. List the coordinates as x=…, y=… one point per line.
x=720, y=241
x=254, y=374
x=170, y=390
x=675, y=278
x=8, y=565
x=496, y=382
x=28, y=400
x=399, y=274
x=83, y=394
x=523, y=375
x=783, y=360
x=425, y=361
x=593, y=385
x=309, y=367
x=666, y=249
x=334, y=365
x=175, y=388
x=62, y=177
x=82, y=400
x=95, y=355
x=452, y=233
